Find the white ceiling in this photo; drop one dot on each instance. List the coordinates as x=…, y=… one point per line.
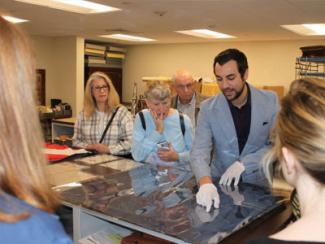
x=249, y=20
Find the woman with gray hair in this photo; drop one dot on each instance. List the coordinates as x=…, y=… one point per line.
x=104, y=125
x=161, y=135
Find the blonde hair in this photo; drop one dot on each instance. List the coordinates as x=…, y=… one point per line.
x=90, y=103
x=300, y=127
x=22, y=159
x=158, y=91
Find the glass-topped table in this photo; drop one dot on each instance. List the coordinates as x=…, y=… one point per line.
x=160, y=201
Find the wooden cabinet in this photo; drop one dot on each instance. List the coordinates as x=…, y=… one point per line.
x=40, y=87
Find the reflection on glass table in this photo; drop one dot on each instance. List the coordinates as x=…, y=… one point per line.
x=122, y=164
x=163, y=201
x=65, y=173
x=98, y=159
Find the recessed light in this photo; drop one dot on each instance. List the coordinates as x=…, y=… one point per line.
x=318, y=29
x=128, y=38
x=205, y=33
x=76, y=6
x=307, y=29
x=14, y=19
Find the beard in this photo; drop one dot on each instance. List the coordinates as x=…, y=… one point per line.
x=237, y=93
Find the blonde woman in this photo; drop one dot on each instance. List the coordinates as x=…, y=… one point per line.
x=26, y=199
x=159, y=138
x=299, y=151
x=101, y=106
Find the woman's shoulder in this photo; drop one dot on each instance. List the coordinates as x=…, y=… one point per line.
x=81, y=115
x=173, y=113
x=145, y=112
x=40, y=226
x=177, y=115
x=122, y=109
x=123, y=113
x=12, y=205
x=185, y=116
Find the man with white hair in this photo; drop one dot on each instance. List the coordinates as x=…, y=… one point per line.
x=187, y=99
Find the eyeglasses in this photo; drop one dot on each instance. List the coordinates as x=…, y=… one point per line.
x=101, y=88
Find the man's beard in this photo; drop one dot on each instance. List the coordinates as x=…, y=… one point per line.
x=237, y=93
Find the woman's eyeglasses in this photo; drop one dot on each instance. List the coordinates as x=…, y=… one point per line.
x=101, y=88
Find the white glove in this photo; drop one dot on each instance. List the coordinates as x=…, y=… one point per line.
x=208, y=193
x=232, y=173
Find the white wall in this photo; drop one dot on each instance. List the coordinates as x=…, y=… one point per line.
x=271, y=63
x=80, y=74
x=63, y=60
x=45, y=59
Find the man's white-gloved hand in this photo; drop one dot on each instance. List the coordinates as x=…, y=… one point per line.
x=207, y=194
x=233, y=173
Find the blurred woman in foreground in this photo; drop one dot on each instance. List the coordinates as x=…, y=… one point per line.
x=299, y=151
x=26, y=199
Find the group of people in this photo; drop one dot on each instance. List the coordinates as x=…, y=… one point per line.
x=231, y=129
x=232, y=136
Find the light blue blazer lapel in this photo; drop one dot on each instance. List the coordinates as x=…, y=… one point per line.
x=255, y=121
x=226, y=124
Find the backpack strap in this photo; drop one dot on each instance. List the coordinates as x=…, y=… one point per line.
x=181, y=121
x=143, y=122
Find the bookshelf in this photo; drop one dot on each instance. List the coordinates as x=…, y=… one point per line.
x=310, y=67
x=107, y=58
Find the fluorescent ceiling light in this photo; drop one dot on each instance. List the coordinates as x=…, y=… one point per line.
x=14, y=19
x=205, y=33
x=76, y=6
x=128, y=38
x=307, y=29
x=318, y=29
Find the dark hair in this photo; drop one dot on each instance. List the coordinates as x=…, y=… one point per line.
x=232, y=54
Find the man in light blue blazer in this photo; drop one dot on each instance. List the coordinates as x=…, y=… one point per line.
x=235, y=125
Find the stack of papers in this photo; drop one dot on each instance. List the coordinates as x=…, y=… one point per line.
x=113, y=234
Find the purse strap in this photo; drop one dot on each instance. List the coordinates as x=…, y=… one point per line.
x=108, y=125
